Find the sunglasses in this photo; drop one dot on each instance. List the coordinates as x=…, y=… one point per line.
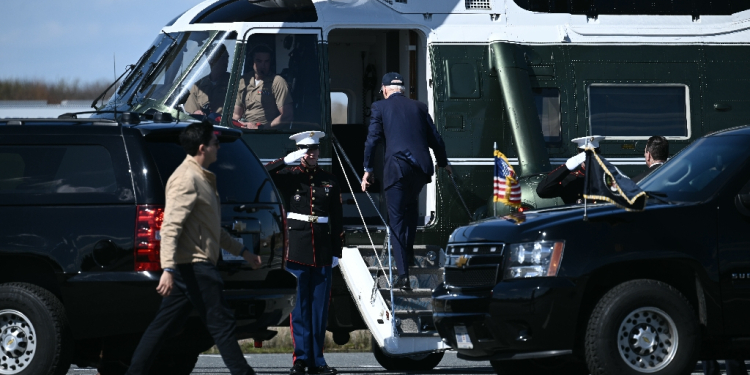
x=308, y=147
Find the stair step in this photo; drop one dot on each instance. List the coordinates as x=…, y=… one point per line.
x=420, y=334
x=412, y=313
x=413, y=293
x=413, y=270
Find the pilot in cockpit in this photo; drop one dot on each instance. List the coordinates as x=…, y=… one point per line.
x=207, y=95
x=263, y=98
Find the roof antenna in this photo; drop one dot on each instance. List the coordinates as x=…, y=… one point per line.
x=114, y=71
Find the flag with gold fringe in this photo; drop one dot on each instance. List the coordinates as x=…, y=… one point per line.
x=604, y=182
x=506, y=187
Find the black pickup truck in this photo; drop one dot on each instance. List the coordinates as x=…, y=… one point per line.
x=620, y=293
x=81, y=202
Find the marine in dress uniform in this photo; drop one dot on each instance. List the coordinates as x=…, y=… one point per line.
x=567, y=181
x=406, y=128
x=314, y=219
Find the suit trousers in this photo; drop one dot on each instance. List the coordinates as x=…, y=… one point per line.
x=402, y=199
x=196, y=286
x=309, y=318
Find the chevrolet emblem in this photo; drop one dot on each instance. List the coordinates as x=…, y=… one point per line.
x=462, y=262
x=647, y=340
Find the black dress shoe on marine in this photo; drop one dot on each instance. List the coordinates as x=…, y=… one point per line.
x=322, y=370
x=298, y=368
x=402, y=283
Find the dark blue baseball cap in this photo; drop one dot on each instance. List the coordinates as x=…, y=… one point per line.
x=393, y=78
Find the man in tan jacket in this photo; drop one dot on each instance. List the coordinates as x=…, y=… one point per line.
x=191, y=240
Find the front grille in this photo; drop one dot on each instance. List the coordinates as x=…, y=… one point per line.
x=478, y=4
x=472, y=277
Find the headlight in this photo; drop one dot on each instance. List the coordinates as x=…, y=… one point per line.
x=534, y=259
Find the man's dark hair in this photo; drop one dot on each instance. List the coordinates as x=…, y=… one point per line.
x=199, y=133
x=221, y=51
x=261, y=48
x=658, y=147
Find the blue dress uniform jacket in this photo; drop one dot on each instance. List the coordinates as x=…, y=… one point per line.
x=411, y=133
x=310, y=191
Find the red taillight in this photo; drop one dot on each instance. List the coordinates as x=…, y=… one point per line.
x=285, y=233
x=147, y=238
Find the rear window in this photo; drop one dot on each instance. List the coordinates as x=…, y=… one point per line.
x=240, y=177
x=65, y=174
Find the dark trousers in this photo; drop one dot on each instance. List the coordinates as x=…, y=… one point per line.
x=196, y=286
x=310, y=315
x=402, y=199
x=734, y=367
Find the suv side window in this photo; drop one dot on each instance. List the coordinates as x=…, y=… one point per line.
x=57, y=174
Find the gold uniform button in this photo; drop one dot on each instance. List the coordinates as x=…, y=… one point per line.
x=313, y=198
x=311, y=177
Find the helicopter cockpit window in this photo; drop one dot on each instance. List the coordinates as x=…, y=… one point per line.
x=202, y=92
x=280, y=86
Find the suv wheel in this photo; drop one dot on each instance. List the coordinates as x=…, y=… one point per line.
x=34, y=331
x=642, y=326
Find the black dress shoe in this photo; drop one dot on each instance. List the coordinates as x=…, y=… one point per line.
x=402, y=283
x=298, y=368
x=322, y=370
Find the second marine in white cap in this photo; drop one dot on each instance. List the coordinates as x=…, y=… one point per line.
x=568, y=179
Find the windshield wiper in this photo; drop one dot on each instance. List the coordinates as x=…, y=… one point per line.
x=127, y=69
x=659, y=196
x=150, y=72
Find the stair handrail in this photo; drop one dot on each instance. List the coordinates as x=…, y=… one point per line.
x=387, y=228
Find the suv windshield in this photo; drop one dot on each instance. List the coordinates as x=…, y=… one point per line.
x=187, y=71
x=240, y=177
x=696, y=173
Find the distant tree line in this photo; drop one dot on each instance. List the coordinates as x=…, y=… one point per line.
x=52, y=92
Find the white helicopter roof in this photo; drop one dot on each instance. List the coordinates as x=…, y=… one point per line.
x=485, y=21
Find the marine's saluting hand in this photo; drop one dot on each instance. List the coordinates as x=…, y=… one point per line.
x=294, y=156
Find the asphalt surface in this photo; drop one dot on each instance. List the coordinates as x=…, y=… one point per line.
x=346, y=363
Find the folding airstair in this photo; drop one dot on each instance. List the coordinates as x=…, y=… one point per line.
x=400, y=320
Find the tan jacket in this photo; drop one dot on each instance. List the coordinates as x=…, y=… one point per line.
x=191, y=231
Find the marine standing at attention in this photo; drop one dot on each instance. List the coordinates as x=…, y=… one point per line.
x=406, y=128
x=315, y=221
x=568, y=179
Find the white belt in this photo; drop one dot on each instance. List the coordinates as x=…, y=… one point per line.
x=310, y=218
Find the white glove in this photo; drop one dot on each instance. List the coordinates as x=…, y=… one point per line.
x=294, y=156
x=575, y=161
x=335, y=262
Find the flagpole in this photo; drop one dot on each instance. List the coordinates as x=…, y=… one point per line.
x=494, y=204
x=586, y=187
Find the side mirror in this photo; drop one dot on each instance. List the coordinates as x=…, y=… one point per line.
x=742, y=201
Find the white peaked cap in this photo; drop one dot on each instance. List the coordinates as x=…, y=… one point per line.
x=308, y=138
x=590, y=141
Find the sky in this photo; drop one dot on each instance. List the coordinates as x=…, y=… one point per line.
x=72, y=40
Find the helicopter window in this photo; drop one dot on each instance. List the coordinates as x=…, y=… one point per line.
x=547, y=102
x=339, y=108
x=639, y=111
x=280, y=87
x=258, y=11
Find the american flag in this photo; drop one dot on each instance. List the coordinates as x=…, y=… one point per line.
x=507, y=189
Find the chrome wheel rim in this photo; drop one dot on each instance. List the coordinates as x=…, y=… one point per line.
x=647, y=339
x=17, y=342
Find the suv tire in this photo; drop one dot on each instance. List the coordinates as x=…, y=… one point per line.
x=32, y=317
x=424, y=362
x=642, y=326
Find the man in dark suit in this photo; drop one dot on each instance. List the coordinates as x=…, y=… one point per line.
x=408, y=133
x=656, y=154
x=315, y=221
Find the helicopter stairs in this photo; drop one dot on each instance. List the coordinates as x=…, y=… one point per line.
x=400, y=320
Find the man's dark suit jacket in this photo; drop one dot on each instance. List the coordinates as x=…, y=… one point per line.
x=647, y=172
x=408, y=132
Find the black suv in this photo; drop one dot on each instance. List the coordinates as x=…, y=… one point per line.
x=619, y=293
x=81, y=203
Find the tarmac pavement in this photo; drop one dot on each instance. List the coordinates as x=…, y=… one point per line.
x=346, y=363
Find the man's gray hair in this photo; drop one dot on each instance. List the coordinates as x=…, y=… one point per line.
x=400, y=88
